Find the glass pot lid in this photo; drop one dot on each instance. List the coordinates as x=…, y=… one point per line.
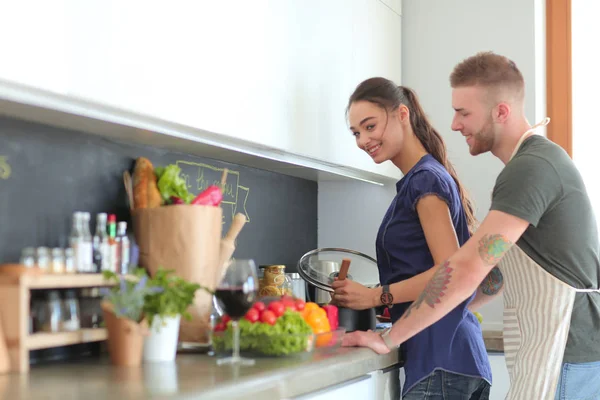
x=319, y=267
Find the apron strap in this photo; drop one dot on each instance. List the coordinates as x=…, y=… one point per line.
x=531, y=130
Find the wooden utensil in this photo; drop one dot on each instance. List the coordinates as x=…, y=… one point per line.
x=228, y=244
x=128, y=188
x=344, y=269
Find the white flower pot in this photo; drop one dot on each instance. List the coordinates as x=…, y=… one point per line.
x=161, y=344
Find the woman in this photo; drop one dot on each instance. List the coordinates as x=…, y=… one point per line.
x=430, y=217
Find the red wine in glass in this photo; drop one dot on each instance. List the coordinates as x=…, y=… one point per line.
x=237, y=293
x=235, y=301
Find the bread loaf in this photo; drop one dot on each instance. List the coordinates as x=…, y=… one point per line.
x=145, y=190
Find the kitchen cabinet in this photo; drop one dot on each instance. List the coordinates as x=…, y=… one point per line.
x=358, y=388
x=276, y=74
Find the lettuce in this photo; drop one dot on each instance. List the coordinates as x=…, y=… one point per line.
x=290, y=335
x=170, y=183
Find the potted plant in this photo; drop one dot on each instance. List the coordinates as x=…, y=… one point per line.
x=123, y=314
x=163, y=310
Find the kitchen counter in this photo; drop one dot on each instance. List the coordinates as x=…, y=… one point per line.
x=493, y=341
x=195, y=376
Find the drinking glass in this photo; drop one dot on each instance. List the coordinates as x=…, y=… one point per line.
x=237, y=293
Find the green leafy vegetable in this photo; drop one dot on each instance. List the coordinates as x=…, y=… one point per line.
x=176, y=296
x=170, y=183
x=290, y=335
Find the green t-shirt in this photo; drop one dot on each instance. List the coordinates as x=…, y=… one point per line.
x=542, y=186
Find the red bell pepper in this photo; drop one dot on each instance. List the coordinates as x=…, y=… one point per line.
x=211, y=196
x=332, y=316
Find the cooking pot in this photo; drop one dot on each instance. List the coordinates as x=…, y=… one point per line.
x=319, y=267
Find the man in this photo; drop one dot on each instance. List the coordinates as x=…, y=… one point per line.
x=551, y=276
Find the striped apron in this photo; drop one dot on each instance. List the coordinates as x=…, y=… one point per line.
x=537, y=316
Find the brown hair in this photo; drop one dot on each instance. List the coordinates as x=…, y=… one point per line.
x=491, y=70
x=387, y=95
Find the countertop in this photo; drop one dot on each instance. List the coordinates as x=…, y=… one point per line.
x=194, y=376
x=493, y=341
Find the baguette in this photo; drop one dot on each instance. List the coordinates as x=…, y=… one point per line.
x=145, y=190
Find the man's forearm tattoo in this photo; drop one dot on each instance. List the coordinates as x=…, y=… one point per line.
x=493, y=247
x=435, y=288
x=492, y=283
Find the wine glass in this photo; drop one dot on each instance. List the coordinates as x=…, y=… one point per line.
x=237, y=293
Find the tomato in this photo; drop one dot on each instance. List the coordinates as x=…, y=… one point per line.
x=277, y=307
x=268, y=317
x=289, y=303
x=300, y=304
x=220, y=326
x=286, y=297
x=225, y=319
x=252, y=315
x=259, y=306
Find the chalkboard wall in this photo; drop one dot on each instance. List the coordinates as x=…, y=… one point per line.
x=47, y=173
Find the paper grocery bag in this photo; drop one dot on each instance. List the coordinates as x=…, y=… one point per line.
x=184, y=238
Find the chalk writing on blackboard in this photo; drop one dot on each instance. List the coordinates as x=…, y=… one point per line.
x=5, y=170
x=199, y=176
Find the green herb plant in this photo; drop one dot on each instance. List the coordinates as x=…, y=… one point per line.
x=128, y=295
x=176, y=296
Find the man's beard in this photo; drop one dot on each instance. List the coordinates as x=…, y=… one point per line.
x=483, y=141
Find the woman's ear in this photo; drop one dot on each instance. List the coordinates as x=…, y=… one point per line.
x=403, y=113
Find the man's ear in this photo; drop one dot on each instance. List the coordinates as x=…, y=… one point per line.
x=501, y=113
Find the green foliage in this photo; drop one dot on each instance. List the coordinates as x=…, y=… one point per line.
x=128, y=295
x=176, y=296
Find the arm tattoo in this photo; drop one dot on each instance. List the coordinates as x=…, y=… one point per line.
x=434, y=289
x=492, y=283
x=493, y=247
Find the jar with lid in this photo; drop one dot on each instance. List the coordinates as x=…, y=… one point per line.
x=27, y=257
x=43, y=258
x=298, y=285
x=57, y=264
x=90, y=308
x=273, y=281
x=69, y=261
x=70, y=321
x=53, y=312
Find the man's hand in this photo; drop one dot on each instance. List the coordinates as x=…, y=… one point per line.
x=353, y=295
x=368, y=339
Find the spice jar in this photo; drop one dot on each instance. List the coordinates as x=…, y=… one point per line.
x=91, y=309
x=69, y=261
x=43, y=258
x=57, y=265
x=28, y=257
x=70, y=320
x=53, y=313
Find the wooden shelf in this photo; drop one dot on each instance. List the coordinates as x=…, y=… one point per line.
x=46, y=340
x=55, y=281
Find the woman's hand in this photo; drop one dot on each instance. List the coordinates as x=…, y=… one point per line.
x=350, y=294
x=368, y=339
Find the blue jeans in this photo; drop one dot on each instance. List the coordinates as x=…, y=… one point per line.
x=579, y=382
x=442, y=385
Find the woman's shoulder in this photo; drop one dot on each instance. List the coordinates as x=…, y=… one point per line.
x=431, y=170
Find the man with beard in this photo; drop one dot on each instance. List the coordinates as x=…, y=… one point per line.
x=552, y=275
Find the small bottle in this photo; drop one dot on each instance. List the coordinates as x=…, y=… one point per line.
x=87, y=251
x=101, y=244
x=112, y=243
x=71, y=320
x=27, y=257
x=43, y=258
x=123, y=248
x=57, y=265
x=69, y=261
x=75, y=239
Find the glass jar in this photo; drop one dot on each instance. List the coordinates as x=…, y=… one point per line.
x=273, y=281
x=28, y=257
x=43, y=258
x=70, y=321
x=90, y=308
x=298, y=285
x=69, y=261
x=57, y=265
x=52, y=318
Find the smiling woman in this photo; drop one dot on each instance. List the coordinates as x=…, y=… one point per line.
x=429, y=218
